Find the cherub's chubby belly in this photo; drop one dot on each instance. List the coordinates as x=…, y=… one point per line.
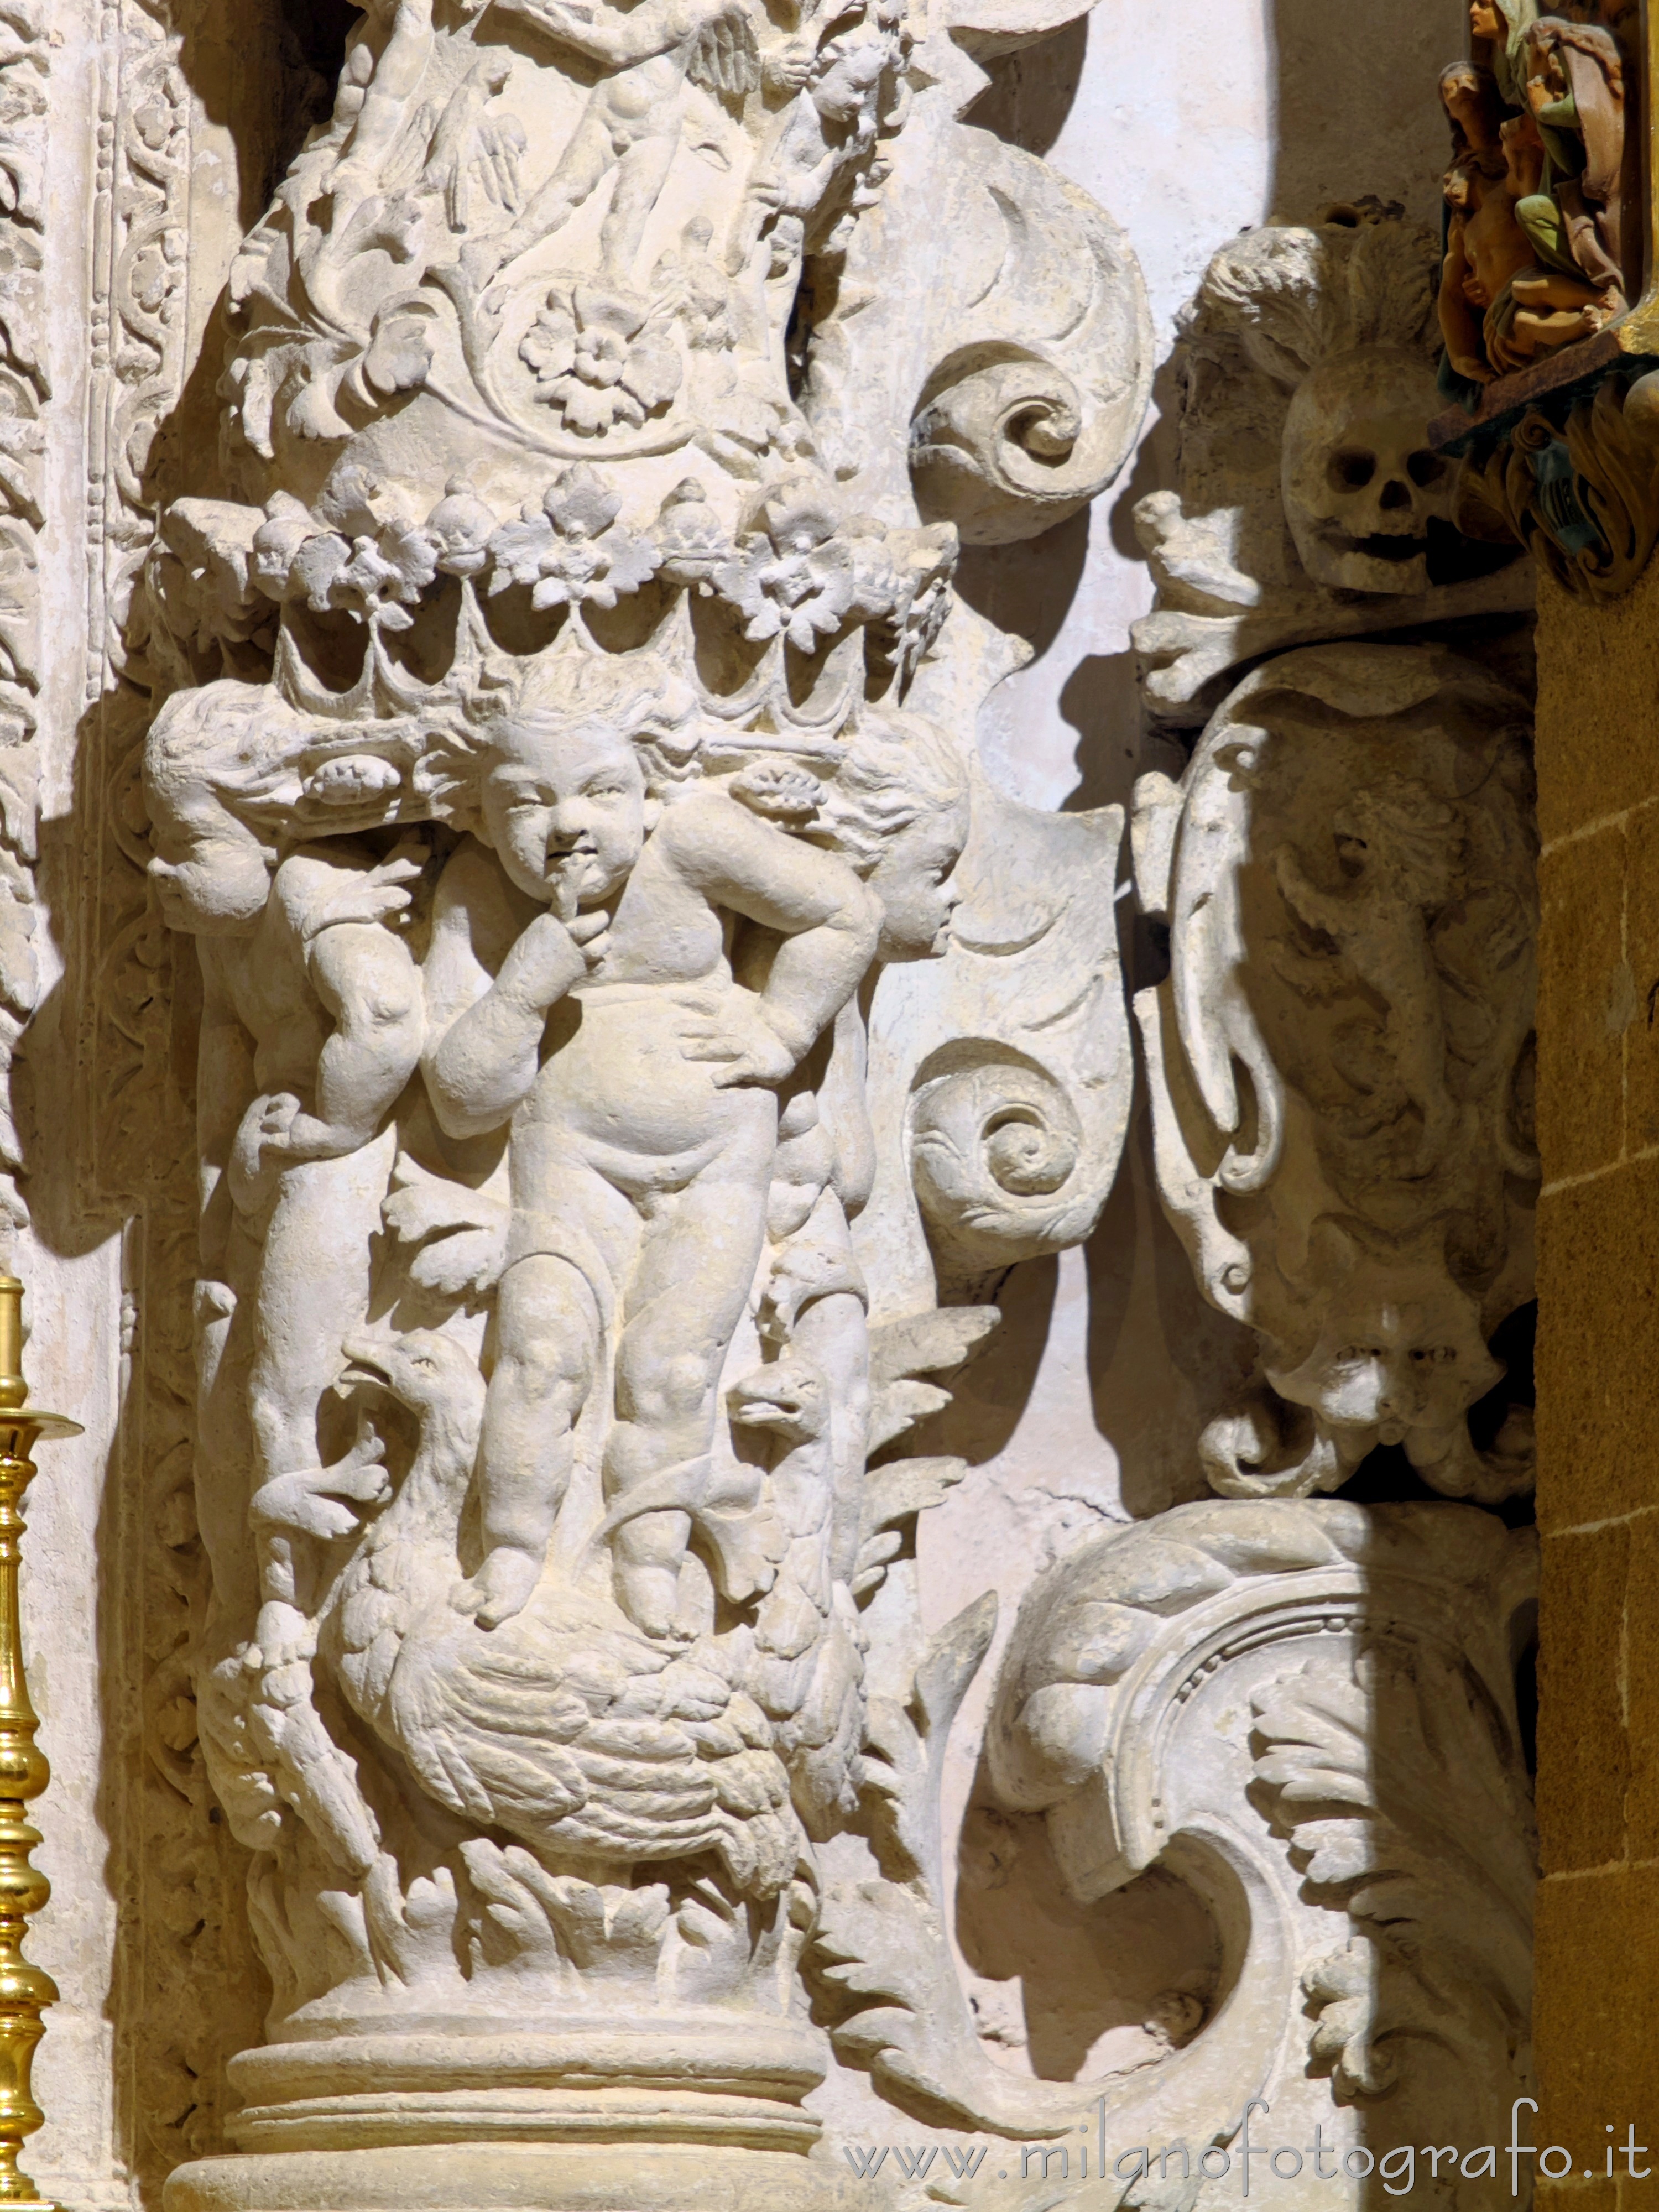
x=622, y=1092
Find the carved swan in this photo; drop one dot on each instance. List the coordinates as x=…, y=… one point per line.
x=564, y=1726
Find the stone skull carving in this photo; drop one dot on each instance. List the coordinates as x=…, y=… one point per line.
x=1361, y=484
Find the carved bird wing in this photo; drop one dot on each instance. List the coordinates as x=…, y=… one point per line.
x=560, y=1744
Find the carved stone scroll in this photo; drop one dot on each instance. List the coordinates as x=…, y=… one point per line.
x=1305, y=1713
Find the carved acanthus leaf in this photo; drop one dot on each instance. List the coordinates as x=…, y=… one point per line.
x=1352, y=1770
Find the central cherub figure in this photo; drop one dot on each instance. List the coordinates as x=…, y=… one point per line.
x=589, y=997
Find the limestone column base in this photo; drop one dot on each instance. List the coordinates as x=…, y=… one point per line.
x=507, y=2177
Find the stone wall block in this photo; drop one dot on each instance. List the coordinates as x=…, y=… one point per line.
x=1598, y=679
x=1584, y=1754
x=1586, y=1003
x=1597, y=1939
x=1598, y=1347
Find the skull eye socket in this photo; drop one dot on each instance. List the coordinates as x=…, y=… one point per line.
x=1352, y=471
x=1424, y=469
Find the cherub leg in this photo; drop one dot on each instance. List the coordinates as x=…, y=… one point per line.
x=695, y=1268
x=313, y=1292
x=583, y=165
x=641, y=175
x=547, y=1342
x=833, y=1331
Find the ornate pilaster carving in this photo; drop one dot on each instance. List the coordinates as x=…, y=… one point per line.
x=186, y=1935
x=25, y=61
x=564, y=761
x=1339, y=1061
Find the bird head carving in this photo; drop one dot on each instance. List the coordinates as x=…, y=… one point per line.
x=434, y=1374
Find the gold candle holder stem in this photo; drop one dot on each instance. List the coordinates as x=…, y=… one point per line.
x=25, y=1990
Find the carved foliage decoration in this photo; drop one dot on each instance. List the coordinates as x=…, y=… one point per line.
x=1575, y=483
x=188, y=1932
x=1340, y=1059
x=1305, y=1713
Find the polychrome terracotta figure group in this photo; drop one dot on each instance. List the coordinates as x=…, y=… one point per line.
x=1539, y=245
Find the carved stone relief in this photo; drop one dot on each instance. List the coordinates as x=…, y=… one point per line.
x=1309, y=502
x=563, y=751
x=580, y=1045
x=1272, y=1700
x=1340, y=1060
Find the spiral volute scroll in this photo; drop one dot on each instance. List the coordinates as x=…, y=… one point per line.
x=1000, y=1164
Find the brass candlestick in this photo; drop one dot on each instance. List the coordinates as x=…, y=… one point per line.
x=24, y=1989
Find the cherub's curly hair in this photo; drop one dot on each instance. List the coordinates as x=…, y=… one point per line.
x=229, y=741
x=633, y=694
x=1298, y=295
x=895, y=768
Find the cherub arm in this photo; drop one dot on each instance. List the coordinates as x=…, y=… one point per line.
x=476, y=916
x=794, y=173
x=619, y=41
x=368, y=982
x=828, y=920
x=491, y=1056
x=490, y=982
